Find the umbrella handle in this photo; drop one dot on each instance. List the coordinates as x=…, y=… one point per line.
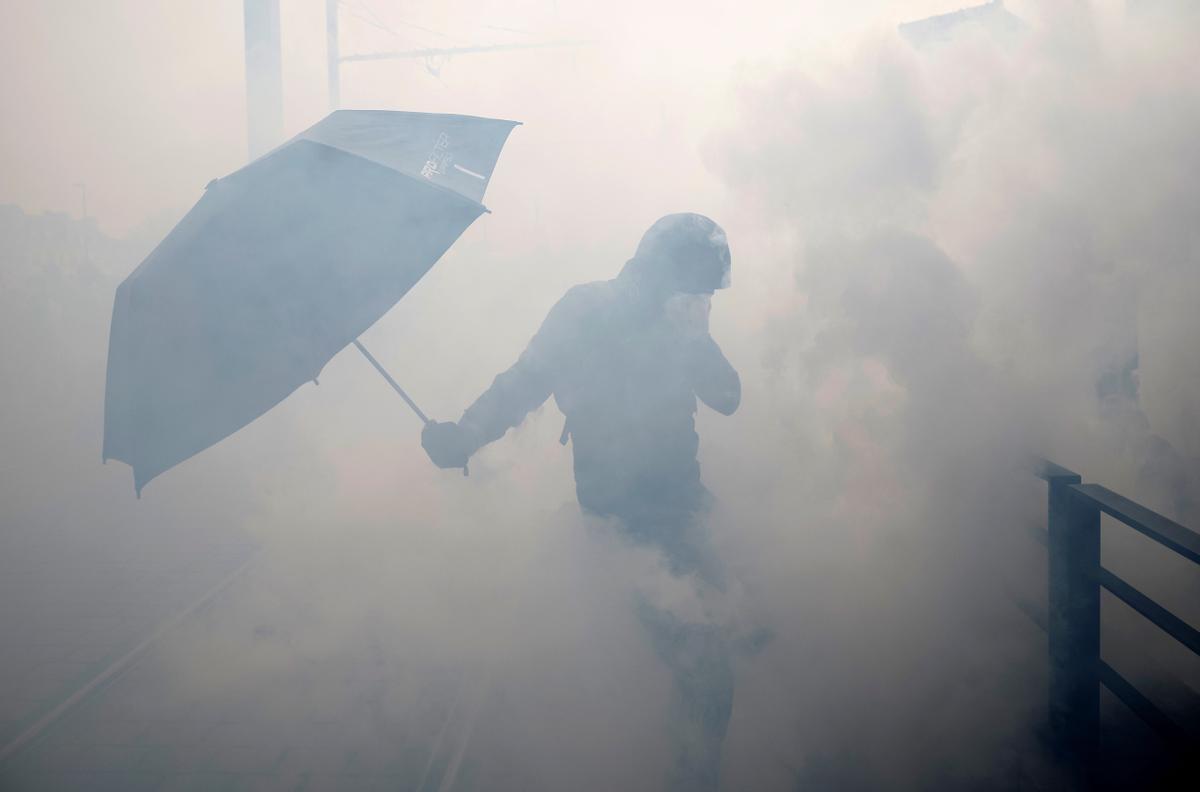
x=396, y=387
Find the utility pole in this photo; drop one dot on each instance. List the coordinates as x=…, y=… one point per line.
x=333, y=53
x=264, y=76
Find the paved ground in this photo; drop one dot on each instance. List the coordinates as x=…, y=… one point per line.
x=232, y=697
x=67, y=617
x=160, y=725
x=285, y=719
x=129, y=740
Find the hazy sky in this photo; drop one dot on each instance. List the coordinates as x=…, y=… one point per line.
x=144, y=101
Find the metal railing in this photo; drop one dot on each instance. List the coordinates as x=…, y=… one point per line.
x=1072, y=620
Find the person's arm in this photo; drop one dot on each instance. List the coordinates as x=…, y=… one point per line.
x=714, y=379
x=512, y=395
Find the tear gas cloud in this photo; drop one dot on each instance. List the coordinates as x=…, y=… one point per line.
x=944, y=259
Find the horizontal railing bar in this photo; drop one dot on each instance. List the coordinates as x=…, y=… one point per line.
x=1048, y=471
x=1171, y=624
x=1169, y=731
x=1166, y=532
x=1178, y=700
x=1032, y=611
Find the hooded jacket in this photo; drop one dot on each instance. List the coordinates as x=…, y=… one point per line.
x=626, y=378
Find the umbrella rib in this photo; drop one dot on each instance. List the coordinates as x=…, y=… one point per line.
x=395, y=385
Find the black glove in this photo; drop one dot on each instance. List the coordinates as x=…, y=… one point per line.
x=446, y=443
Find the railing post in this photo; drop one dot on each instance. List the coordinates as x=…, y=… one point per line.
x=1074, y=619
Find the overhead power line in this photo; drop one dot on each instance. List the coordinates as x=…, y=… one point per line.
x=429, y=53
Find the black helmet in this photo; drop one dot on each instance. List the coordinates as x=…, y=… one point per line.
x=682, y=253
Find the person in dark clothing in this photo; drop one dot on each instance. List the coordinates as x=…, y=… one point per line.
x=626, y=360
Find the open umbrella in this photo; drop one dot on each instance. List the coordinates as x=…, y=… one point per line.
x=278, y=267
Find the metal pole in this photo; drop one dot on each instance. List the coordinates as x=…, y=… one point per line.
x=1074, y=620
x=333, y=53
x=395, y=385
x=428, y=53
x=264, y=76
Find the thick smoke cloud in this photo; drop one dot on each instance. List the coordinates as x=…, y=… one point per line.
x=982, y=240
x=944, y=260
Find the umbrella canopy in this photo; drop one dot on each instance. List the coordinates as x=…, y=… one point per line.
x=278, y=267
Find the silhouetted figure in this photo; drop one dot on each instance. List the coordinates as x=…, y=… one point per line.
x=625, y=360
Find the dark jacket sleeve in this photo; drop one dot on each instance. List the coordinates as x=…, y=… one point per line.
x=715, y=381
x=527, y=384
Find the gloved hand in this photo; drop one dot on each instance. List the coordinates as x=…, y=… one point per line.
x=446, y=443
x=687, y=315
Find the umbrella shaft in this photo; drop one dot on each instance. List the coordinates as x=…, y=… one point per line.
x=395, y=385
